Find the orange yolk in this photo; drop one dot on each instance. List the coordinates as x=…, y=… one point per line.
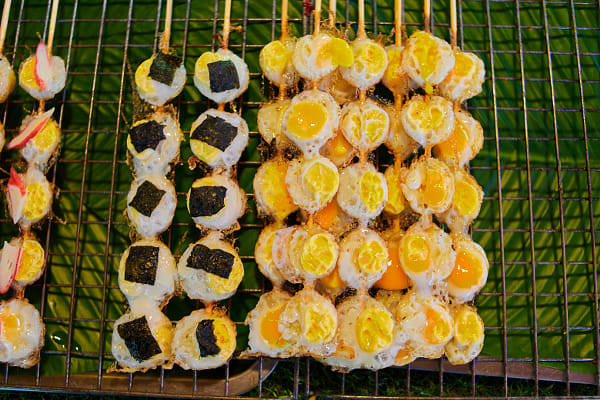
x=394, y=277
x=10, y=326
x=269, y=329
x=456, y=144
x=437, y=329
x=403, y=357
x=435, y=192
x=416, y=253
x=467, y=271
x=307, y=119
x=462, y=64
x=339, y=146
x=325, y=217
x=466, y=198
x=333, y=280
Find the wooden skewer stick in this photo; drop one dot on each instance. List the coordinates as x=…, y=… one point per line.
x=52, y=26
x=332, y=12
x=398, y=5
x=361, y=19
x=227, y=24
x=317, y=27
x=427, y=11
x=4, y=23
x=284, y=20
x=166, y=36
x=453, y=21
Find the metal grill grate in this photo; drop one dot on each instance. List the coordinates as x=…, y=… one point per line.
x=541, y=113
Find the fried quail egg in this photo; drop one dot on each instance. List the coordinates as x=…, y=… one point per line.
x=160, y=78
x=265, y=337
x=338, y=150
x=151, y=203
x=428, y=186
x=55, y=83
x=331, y=285
x=33, y=261
x=363, y=258
x=270, y=190
x=342, y=91
x=363, y=191
x=365, y=125
x=210, y=269
x=154, y=143
x=426, y=255
x=142, y=338
x=466, y=202
x=39, y=149
x=216, y=202
x=394, y=277
x=398, y=141
x=263, y=254
x=333, y=218
x=312, y=183
x=427, y=59
x=221, y=76
x=276, y=62
x=270, y=120
x=396, y=203
x=147, y=269
x=370, y=62
x=429, y=120
x=302, y=254
x=316, y=56
x=469, y=335
x=218, y=138
x=465, y=79
x=7, y=79
x=395, y=77
x=424, y=323
x=21, y=333
x=470, y=269
x=311, y=120
x=204, y=339
x=464, y=143
x=365, y=335
x=309, y=323
x=38, y=199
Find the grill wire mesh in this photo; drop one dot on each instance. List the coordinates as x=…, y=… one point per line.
x=540, y=111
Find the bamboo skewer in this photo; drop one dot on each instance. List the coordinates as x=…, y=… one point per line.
x=226, y=24
x=427, y=12
x=166, y=36
x=4, y=24
x=284, y=20
x=398, y=5
x=361, y=20
x=317, y=12
x=453, y=22
x=332, y=13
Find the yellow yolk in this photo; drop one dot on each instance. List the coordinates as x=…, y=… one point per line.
x=428, y=117
x=467, y=271
x=10, y=326
x=306, y=120
x=269, y=329
x=142, y=80
x=221, y=285
x=32, y=260
x=204, y=151
x=274, y=190
x=274, y=57
x=268, y=253
x=415, y=254
x=462, y=64
x=435, y=191
x=339, y=146
x=456, y=144
x=222, y=334
x=396, y=201
x=371, y=57
x=47, y=137
x=342, y=53
x=372, y=257
x=394, y=277
x=437, y=329
x=374, y=330
x=163, y=335
x=319, y=324
x=318, y=254
x=321, y=180
x=36, y=201
x=427, y=54
x=468, y=327
x=27, y=75
x=403, y=357
x=393, y=74
x=202, y=65
x=325, y=217
x=371, y=190
x=376, y=123
x=466, y=198
x=333, y=280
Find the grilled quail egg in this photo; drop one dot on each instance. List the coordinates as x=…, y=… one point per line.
x=428, y=186
x=151, y=203
x=33, y=261
x=465, y=79
x=470, y=269
x=429, y=120
x=363, y=258
x=370, y=62
x=396, y=203
x=338, y=150
x=270, y=120
x=312, y=183
x=42, y=89
x=316, y=56
x=464, y=143
x=395, y=77
x=160, y=78
x=276, y=62
x=398, y=141
x=363, y=191
x=466, y=202
x=221, y=76
x=38, y=199
x=364, y=124
x=7, y=79
x=468, y=335
x=263, y=254
x=394, y=277
x=39, y=149
x=21, y=333
x=270, y=190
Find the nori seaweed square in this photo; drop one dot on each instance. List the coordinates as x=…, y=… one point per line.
x=206, y=200
x=223, y=76
x=141, y=264
x=146, y=136
x=146, y=198
x=163, y=67
x=205, y=335
x=213, y=261
x=216, y=132
x=138, y=338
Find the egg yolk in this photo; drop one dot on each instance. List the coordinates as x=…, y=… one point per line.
x=319, y=324
x=371, y=190
x=32, y=260
x=10, y=327
x=396, y=201
x=271, y=118
x=142, y=80
x=222, y=334
x=27, y=75
x=321, y=180
x=435, y=192
x=274, y=57
x=306, y=120
x=371, y=58
x=437, y=328
x=466, y=198
x=269, y=329
x=403, y=357
x=376, y=123
x=468, y=327
x=204, y=151
x=468, y=269
x=271, y=184
x=220, y=285
x=337, y=52
x=202, y=65
x=37, y=201
x=47, y=137
x=457, y=144
x=415, y=253
x=372, y=257
x=428, y=57
x=319, y=254
x=394, y=277
x=462, y=65
x=374, y=330
x=267, y=253
x=333, y=280
x=394, y=74
x=164, y=336
x=326, y=216
x=339, y=146
x=429, y=117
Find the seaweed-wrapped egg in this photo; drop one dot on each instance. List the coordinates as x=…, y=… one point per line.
x=160, y=78
x=221, y=76
x=363, y=258
x=204, y=339
x=363, y=191
x=276, y=62
x=312, y=183
x=218, y=138
x=21, y=333
x=42, y=75
x=370, y=62
x=467, y=341
x=429, y=120
x=364, y=124
x=470, y=270
x=7, y=79
x=466, y=202
x=465, y=79
x=216, y=202
x=210, y=269
x=151, y=203
x=428, y=186
x=316, y=56
x=464, y=143
x=270, y=190
x=154, y=143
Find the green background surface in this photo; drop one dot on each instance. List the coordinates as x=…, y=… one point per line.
x=535, y=130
